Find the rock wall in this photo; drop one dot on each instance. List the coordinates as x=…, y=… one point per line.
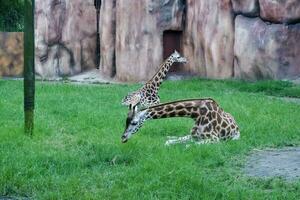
x=267, y=47
x=266, y=51
x=247, y=39
x=139, y=29
x=11, y=54
x=65, y=37
x=208, y=38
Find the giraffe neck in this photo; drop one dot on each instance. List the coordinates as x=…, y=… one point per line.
x=186, y=108
x=161, y=74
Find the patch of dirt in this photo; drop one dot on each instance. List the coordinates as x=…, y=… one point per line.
x=283, y=163
x=91, y=77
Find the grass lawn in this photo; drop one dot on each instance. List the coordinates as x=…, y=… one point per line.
x=76, y=151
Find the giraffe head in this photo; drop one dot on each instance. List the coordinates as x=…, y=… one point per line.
x=176, y=57
x=134, y=122
x=131, y=99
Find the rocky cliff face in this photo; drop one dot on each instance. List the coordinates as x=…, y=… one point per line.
x=11, y=54
x=249, y=39
x=268, y=46
x=219, y=37
x=266, y=51
x=139, y=29
x=65, y=37
x=208, y=38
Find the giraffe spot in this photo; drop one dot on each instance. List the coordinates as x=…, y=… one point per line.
x=189, y=109
x=160, y=112
x=218, y=128
x=172, y=114
x=169, y=108
x=195, y=109
x=194, y=115
x=154, y=117
x=214, y=123
x=232, y=126
x=209, y=115
x=214, y=114
x=188, y=105
x=215, y=106
x=158, y=108
x=164, y=115
x=224, y=124
x=219, y=119
x=208, y=104
x=179, y=107
x=223, y=133
x=181, y=113
x=228, y=129
x=207, y=128
x=203, y=111
x=204, y=121
x=152, y=113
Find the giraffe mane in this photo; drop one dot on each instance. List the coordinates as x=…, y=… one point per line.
x=161, y=65
x=178, y=101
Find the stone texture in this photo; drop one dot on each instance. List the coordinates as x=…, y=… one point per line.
x=11, y=54
x=139, y=36
x=265, y=51
x=280, y=11
x=65, y=37
x=208, y=38
x=246, y=7
x=107, y=37
x=131, y=36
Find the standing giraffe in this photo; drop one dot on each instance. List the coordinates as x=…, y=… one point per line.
x=212, y=124
x=148, y=94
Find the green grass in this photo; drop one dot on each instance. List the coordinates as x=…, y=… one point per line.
x=77, y=138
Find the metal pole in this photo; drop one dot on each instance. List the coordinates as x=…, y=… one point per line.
x=97, y=4
x=29, y=74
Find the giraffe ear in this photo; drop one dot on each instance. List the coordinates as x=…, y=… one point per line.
x=175, y=51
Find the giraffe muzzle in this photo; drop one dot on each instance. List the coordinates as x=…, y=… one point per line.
x=124, y=139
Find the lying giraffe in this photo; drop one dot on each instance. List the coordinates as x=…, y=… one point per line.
x=148, y=94
x=212, y=124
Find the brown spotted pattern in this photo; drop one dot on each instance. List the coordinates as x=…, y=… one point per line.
x=148, y=95
x=211, y=121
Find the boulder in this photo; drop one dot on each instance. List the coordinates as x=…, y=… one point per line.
x=279, y=11
x=246, y=7
x=266, y=51
x=65, y=37
x=11, y=54
x=208, y=38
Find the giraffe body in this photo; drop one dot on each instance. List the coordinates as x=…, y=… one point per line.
x=212, y=123
x=148, y=95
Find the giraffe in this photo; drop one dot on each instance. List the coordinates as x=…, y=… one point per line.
x=148, y=94
x=212, y=123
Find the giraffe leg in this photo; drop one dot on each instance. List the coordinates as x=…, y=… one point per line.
x=183, y=139
x=202, y=135
x=172, y=137
x=207, y=141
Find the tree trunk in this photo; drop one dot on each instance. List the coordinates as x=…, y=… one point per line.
x=29, y=76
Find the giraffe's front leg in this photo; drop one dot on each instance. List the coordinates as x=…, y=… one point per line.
x=207, y=141
x=183, y=139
